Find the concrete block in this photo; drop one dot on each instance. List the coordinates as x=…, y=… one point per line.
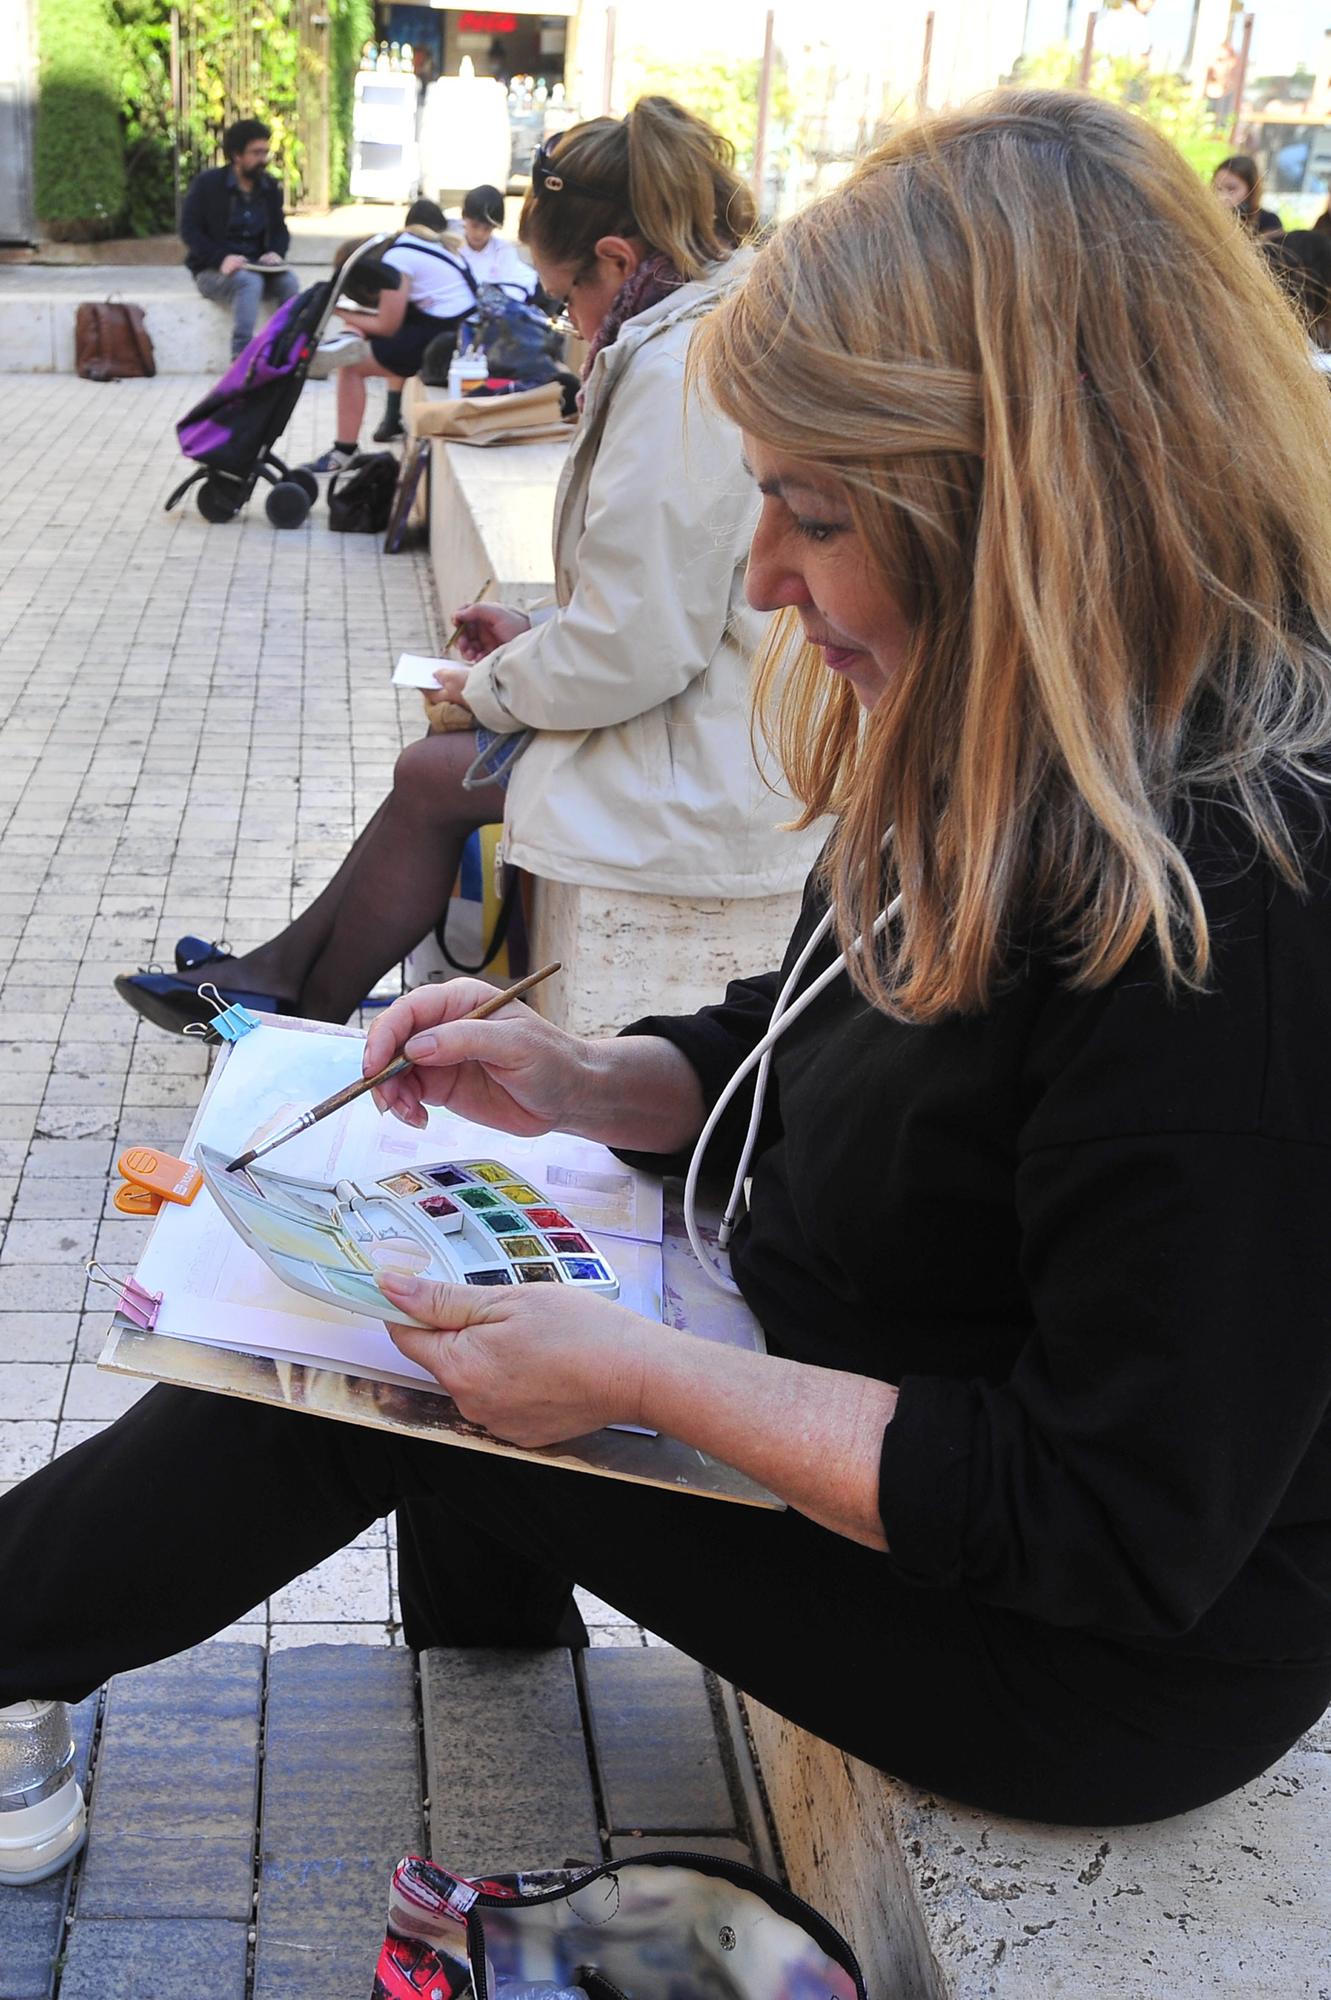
x=943, y=1903
x=655, y=1743
x=27, y=336
x=32, y=1919
x=491, y=515
x=625, y=955
x=163, y=1959
x=341, y=1805
x=506, y=1761
x=176, y=1791
x=190, y=335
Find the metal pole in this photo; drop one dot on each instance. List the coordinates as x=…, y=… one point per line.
x=177, y=112
x=922, y=88
x=1241, y=76
x=764, y=108
x=608, y=76
x=1087, y=51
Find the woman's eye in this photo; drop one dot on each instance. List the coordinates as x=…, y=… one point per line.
x=817, y=531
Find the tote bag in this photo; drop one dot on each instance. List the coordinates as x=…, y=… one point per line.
x=667, y=1926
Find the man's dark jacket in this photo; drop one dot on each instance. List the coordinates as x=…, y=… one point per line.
x=203, y=220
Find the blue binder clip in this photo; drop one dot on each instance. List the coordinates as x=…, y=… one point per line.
x=230, y=1020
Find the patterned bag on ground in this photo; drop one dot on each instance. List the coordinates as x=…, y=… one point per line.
x=360, y=498
x=660, y=1926
x=111, y=343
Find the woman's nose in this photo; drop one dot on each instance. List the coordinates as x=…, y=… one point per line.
x=771, y=581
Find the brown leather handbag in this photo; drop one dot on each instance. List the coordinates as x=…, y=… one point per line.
x=111, y=343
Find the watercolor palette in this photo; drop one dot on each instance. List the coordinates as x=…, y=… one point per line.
x=521, y=1239
x=475, y=1222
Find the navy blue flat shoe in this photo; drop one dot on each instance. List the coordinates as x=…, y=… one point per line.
x=174, y=1004
x=195, y=951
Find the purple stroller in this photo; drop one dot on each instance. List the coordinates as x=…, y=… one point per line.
x=231, y=433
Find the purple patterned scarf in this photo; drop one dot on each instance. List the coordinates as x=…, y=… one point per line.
x=655, y=279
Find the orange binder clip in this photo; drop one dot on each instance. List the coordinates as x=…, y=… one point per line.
x=160, y=1174
x=131, y=1200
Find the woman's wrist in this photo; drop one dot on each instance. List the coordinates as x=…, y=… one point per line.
x=635, y=1091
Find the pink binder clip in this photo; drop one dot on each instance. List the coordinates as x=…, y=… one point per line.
x=137, y=1304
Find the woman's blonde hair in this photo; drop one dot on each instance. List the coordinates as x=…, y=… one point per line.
x=661, y=174
x=1081, y=440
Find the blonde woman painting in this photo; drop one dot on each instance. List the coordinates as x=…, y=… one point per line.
x=1037, y=1212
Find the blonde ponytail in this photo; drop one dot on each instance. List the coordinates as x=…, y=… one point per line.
x=661, y=174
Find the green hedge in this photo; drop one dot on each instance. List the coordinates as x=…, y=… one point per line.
x=146, y=114
x=104, y=145
x=79, y=150
x=352, y=27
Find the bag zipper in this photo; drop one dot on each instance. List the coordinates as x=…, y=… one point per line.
x=784, y=1901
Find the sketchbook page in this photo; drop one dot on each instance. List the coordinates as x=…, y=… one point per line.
x=414, y=670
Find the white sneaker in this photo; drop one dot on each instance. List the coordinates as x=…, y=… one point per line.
x=43, y=1823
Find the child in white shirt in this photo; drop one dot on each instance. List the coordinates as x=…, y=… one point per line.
x=491, y=259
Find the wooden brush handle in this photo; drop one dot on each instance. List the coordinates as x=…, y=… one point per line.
x=350, y=1091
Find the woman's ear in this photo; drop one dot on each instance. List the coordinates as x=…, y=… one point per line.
x=622, y=253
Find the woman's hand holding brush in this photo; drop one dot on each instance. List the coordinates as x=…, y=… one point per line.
x=513, y=1071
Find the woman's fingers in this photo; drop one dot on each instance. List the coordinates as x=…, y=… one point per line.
x=445, y=1308
x=423, y=1008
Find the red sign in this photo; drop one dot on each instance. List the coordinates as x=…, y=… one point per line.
x=472, y=23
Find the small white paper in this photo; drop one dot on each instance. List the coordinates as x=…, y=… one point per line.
x=414, y=670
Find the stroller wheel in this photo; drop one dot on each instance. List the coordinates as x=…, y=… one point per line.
x=216, y=504
x=288, y=504
x=307, y=482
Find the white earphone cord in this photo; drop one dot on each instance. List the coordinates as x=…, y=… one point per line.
x=783, y=1013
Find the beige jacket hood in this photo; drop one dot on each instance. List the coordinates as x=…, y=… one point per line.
x=643, y=775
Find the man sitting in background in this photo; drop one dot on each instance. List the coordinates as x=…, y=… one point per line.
x=234, y=231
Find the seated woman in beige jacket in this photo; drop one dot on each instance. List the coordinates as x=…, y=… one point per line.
x=628, y=704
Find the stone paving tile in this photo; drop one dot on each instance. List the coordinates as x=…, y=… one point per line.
x=283, y=1637
x=351, y=1586
x=31, y=1388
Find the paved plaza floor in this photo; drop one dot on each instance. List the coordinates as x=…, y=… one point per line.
x=194, y=721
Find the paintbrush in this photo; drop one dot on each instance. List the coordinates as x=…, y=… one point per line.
x=351, y=1091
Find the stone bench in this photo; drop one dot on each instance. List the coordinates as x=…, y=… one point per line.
x=623, y=954
x=943, y=1903
x=190, y=335
x=246, y=1811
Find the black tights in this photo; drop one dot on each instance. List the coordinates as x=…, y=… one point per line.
x=388, y=893
x=192, y=1508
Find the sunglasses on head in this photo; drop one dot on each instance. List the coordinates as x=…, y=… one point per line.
x=546, y=176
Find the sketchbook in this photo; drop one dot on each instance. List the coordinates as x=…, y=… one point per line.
x=264, y=1285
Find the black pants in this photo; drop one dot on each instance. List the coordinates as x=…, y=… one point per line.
x=193, y=1508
